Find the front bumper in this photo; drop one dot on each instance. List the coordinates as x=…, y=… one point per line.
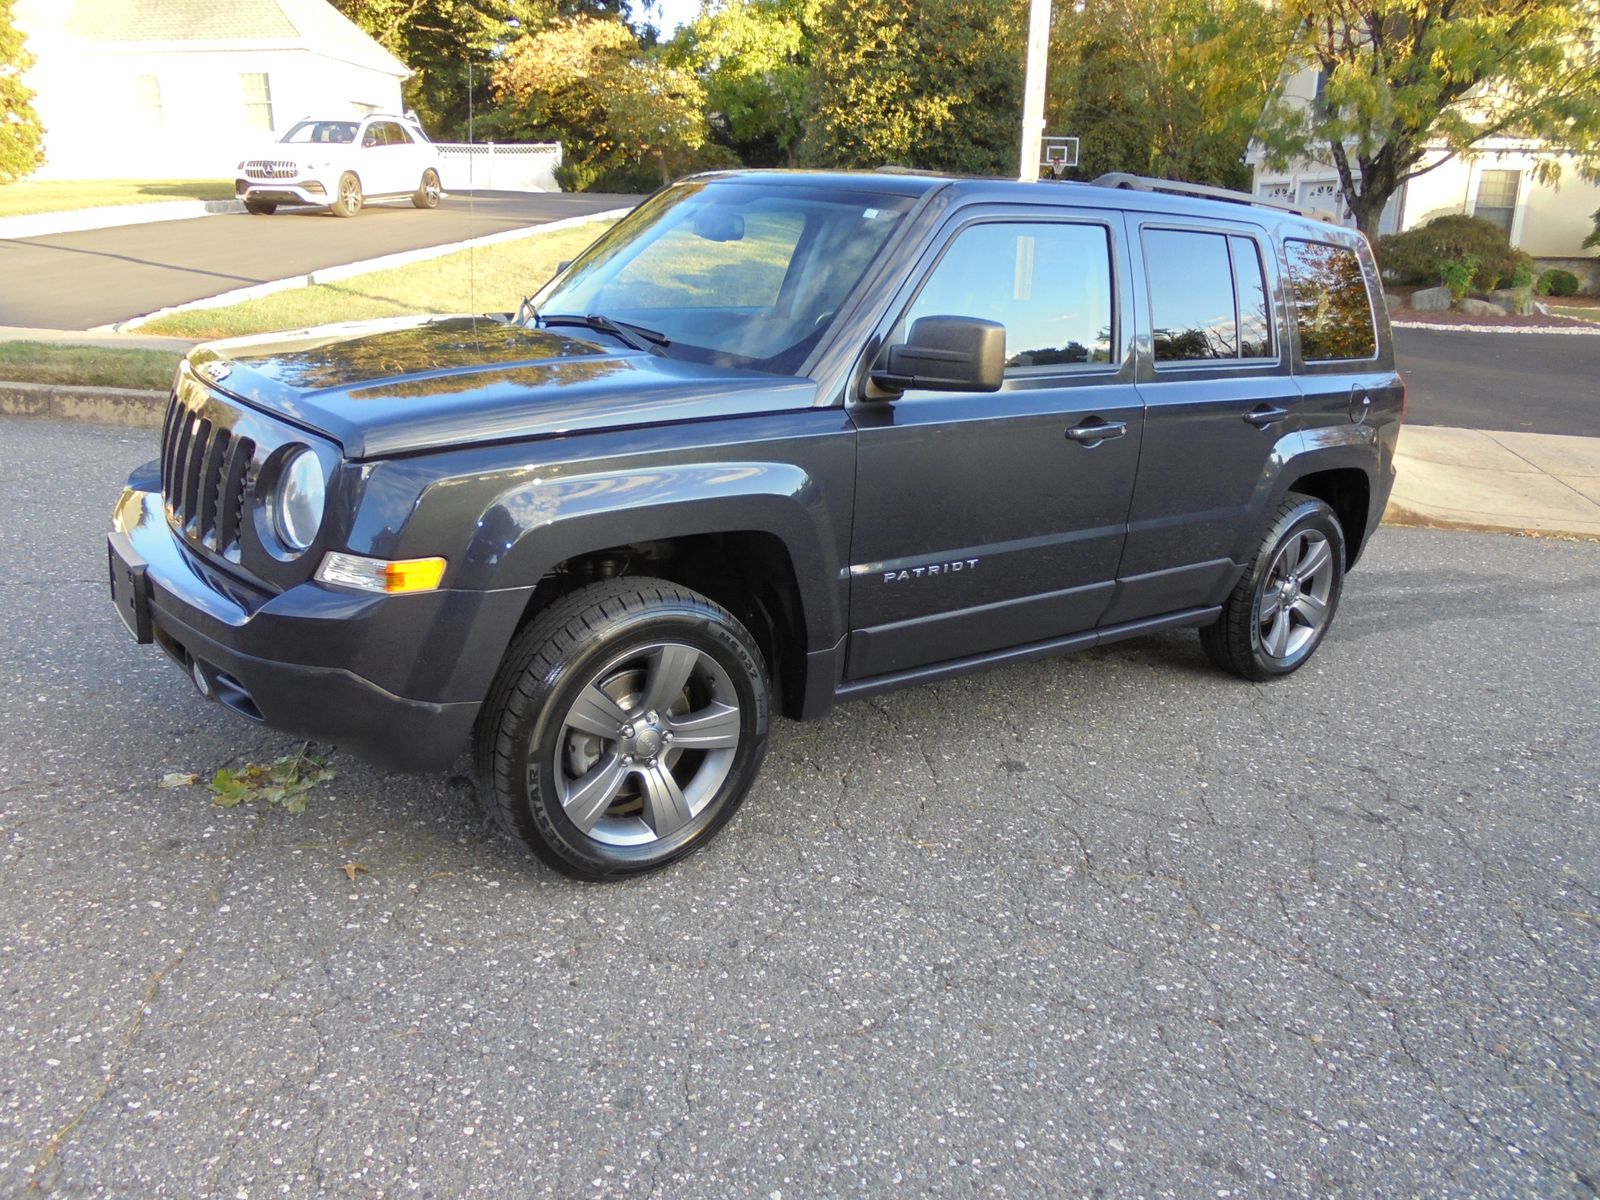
x=397, y=680
x=276, y=191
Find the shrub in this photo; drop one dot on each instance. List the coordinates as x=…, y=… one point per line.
x=1420, y=255
x=1556, y=282
x=1524, y=275
x=1458, y=275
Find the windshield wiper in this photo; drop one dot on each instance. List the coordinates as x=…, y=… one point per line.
x=635, y=336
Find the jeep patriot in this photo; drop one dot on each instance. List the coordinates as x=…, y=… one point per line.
x=777, y=439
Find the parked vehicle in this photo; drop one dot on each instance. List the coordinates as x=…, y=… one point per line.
x=774, y=441
x=341, y=165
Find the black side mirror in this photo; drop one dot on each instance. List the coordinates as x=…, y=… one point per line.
x=563, y=265
x=946, y=354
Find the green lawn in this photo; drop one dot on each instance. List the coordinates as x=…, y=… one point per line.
x=40, y=362
x=62, y=195
x=1584, y=308
x=486, y=279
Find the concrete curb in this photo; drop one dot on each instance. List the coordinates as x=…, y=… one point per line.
x=100, y=405
x=364, y=267
x=79, y=220
x=1467, y=327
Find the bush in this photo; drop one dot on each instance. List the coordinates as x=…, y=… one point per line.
x=1556, y=282
x=1419, y=256
x=1457, y=275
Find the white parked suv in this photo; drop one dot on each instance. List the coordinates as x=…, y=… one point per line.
x=341, y=164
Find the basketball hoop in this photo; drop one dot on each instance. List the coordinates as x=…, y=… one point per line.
x=1060, y=154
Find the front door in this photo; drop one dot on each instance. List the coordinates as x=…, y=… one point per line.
x=990, y=520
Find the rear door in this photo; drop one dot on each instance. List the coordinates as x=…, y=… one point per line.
x=990, y=520
x=1216, y=377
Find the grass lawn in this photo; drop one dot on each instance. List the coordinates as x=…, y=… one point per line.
x=38, y=362
x=1585, y=308
x=486, y=279
x=61, y=195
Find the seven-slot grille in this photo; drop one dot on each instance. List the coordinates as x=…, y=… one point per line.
x=205, y=471
x=270, y=168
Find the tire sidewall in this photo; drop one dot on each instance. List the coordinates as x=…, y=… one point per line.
x=339, y=207
x=423, y=198
x=554, y=693
x=1313, y=514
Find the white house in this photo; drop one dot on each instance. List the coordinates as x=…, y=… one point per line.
x=1549, y=221
x=169, y=89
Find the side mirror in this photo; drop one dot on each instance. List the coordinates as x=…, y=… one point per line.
x=563, y=265
x=946, y=354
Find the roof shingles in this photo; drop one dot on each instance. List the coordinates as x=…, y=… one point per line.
x=179, y=20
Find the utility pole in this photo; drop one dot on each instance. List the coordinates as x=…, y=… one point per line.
x=1033, y=88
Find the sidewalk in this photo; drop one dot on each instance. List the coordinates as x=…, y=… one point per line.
x=104, y=340
x=81, y=220
x=1513, y=482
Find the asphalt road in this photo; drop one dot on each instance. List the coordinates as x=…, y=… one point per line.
x=1113, y=924
x=1533, y=382
x=83, y=280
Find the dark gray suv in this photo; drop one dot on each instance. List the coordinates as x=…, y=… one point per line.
x=777, y=439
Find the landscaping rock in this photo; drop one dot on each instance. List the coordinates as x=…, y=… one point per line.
x=1481, y=308
x=1434, y=299
x=1516, y=301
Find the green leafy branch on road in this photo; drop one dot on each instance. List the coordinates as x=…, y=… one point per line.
x=286, y=782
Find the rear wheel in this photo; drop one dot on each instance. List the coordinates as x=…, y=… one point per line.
x=260, y=208
x=348, y=201
x=624, y=729
x=427, y=195
x=1280, y=610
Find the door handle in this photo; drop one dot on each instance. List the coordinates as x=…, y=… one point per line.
x=1095, y=430
x=1264, y=416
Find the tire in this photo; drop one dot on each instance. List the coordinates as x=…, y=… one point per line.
x=1257, y=636
x=428, y=192
x=580, y=749
x=260, y=208
x=349, y=200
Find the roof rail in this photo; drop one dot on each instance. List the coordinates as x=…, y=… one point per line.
x=1175, y=187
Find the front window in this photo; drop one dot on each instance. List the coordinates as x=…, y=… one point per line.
x=737, y=272
x=322, y=133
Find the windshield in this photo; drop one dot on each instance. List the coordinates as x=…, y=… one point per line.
x=341, y=132
x=740, y=272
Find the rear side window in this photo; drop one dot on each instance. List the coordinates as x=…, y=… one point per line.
x=1208, y=296
x=1331, y=307
x=1048, y=283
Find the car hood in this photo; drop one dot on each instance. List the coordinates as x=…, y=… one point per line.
x=380, y=388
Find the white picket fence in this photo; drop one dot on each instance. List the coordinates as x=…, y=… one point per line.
x=499, y=167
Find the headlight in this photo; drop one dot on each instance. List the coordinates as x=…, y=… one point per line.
x=298, y=500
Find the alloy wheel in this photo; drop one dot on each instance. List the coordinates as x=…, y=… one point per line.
x=1295, y=592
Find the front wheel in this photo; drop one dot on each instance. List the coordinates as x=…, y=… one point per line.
x=428, y=193
x=624, y=729
x=1280, y=610
x=348, y=202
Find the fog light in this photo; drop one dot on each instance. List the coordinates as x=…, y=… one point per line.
x=380, y=575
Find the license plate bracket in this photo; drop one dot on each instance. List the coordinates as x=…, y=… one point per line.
x=130, y=586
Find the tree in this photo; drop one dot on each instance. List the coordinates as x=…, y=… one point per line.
x=21, y=135
x=755, y=59
x=1411, y=84
x=919, y=83
x=626, y=120
x=1170, y=88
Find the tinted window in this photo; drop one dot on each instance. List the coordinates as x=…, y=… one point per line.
x=1049, y=284
x=1191, y=295
x=395, y=135
x=1255, y=317
x=1331, y=306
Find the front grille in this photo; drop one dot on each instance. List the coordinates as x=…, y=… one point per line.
x=270, y=168
x=205, y=474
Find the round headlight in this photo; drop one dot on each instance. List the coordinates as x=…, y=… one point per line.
x=297, y=512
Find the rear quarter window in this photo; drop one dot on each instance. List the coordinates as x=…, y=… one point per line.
x=1332, y=308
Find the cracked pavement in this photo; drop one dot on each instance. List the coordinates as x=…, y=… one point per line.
x=1105, y=925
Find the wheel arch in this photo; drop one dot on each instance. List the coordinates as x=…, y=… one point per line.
x=1348, y=491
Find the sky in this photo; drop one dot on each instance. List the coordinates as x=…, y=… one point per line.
x=667, y=15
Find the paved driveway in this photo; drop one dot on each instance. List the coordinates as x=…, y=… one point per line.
x=1533, y=382
x=1112, y=925
x=82, y=280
